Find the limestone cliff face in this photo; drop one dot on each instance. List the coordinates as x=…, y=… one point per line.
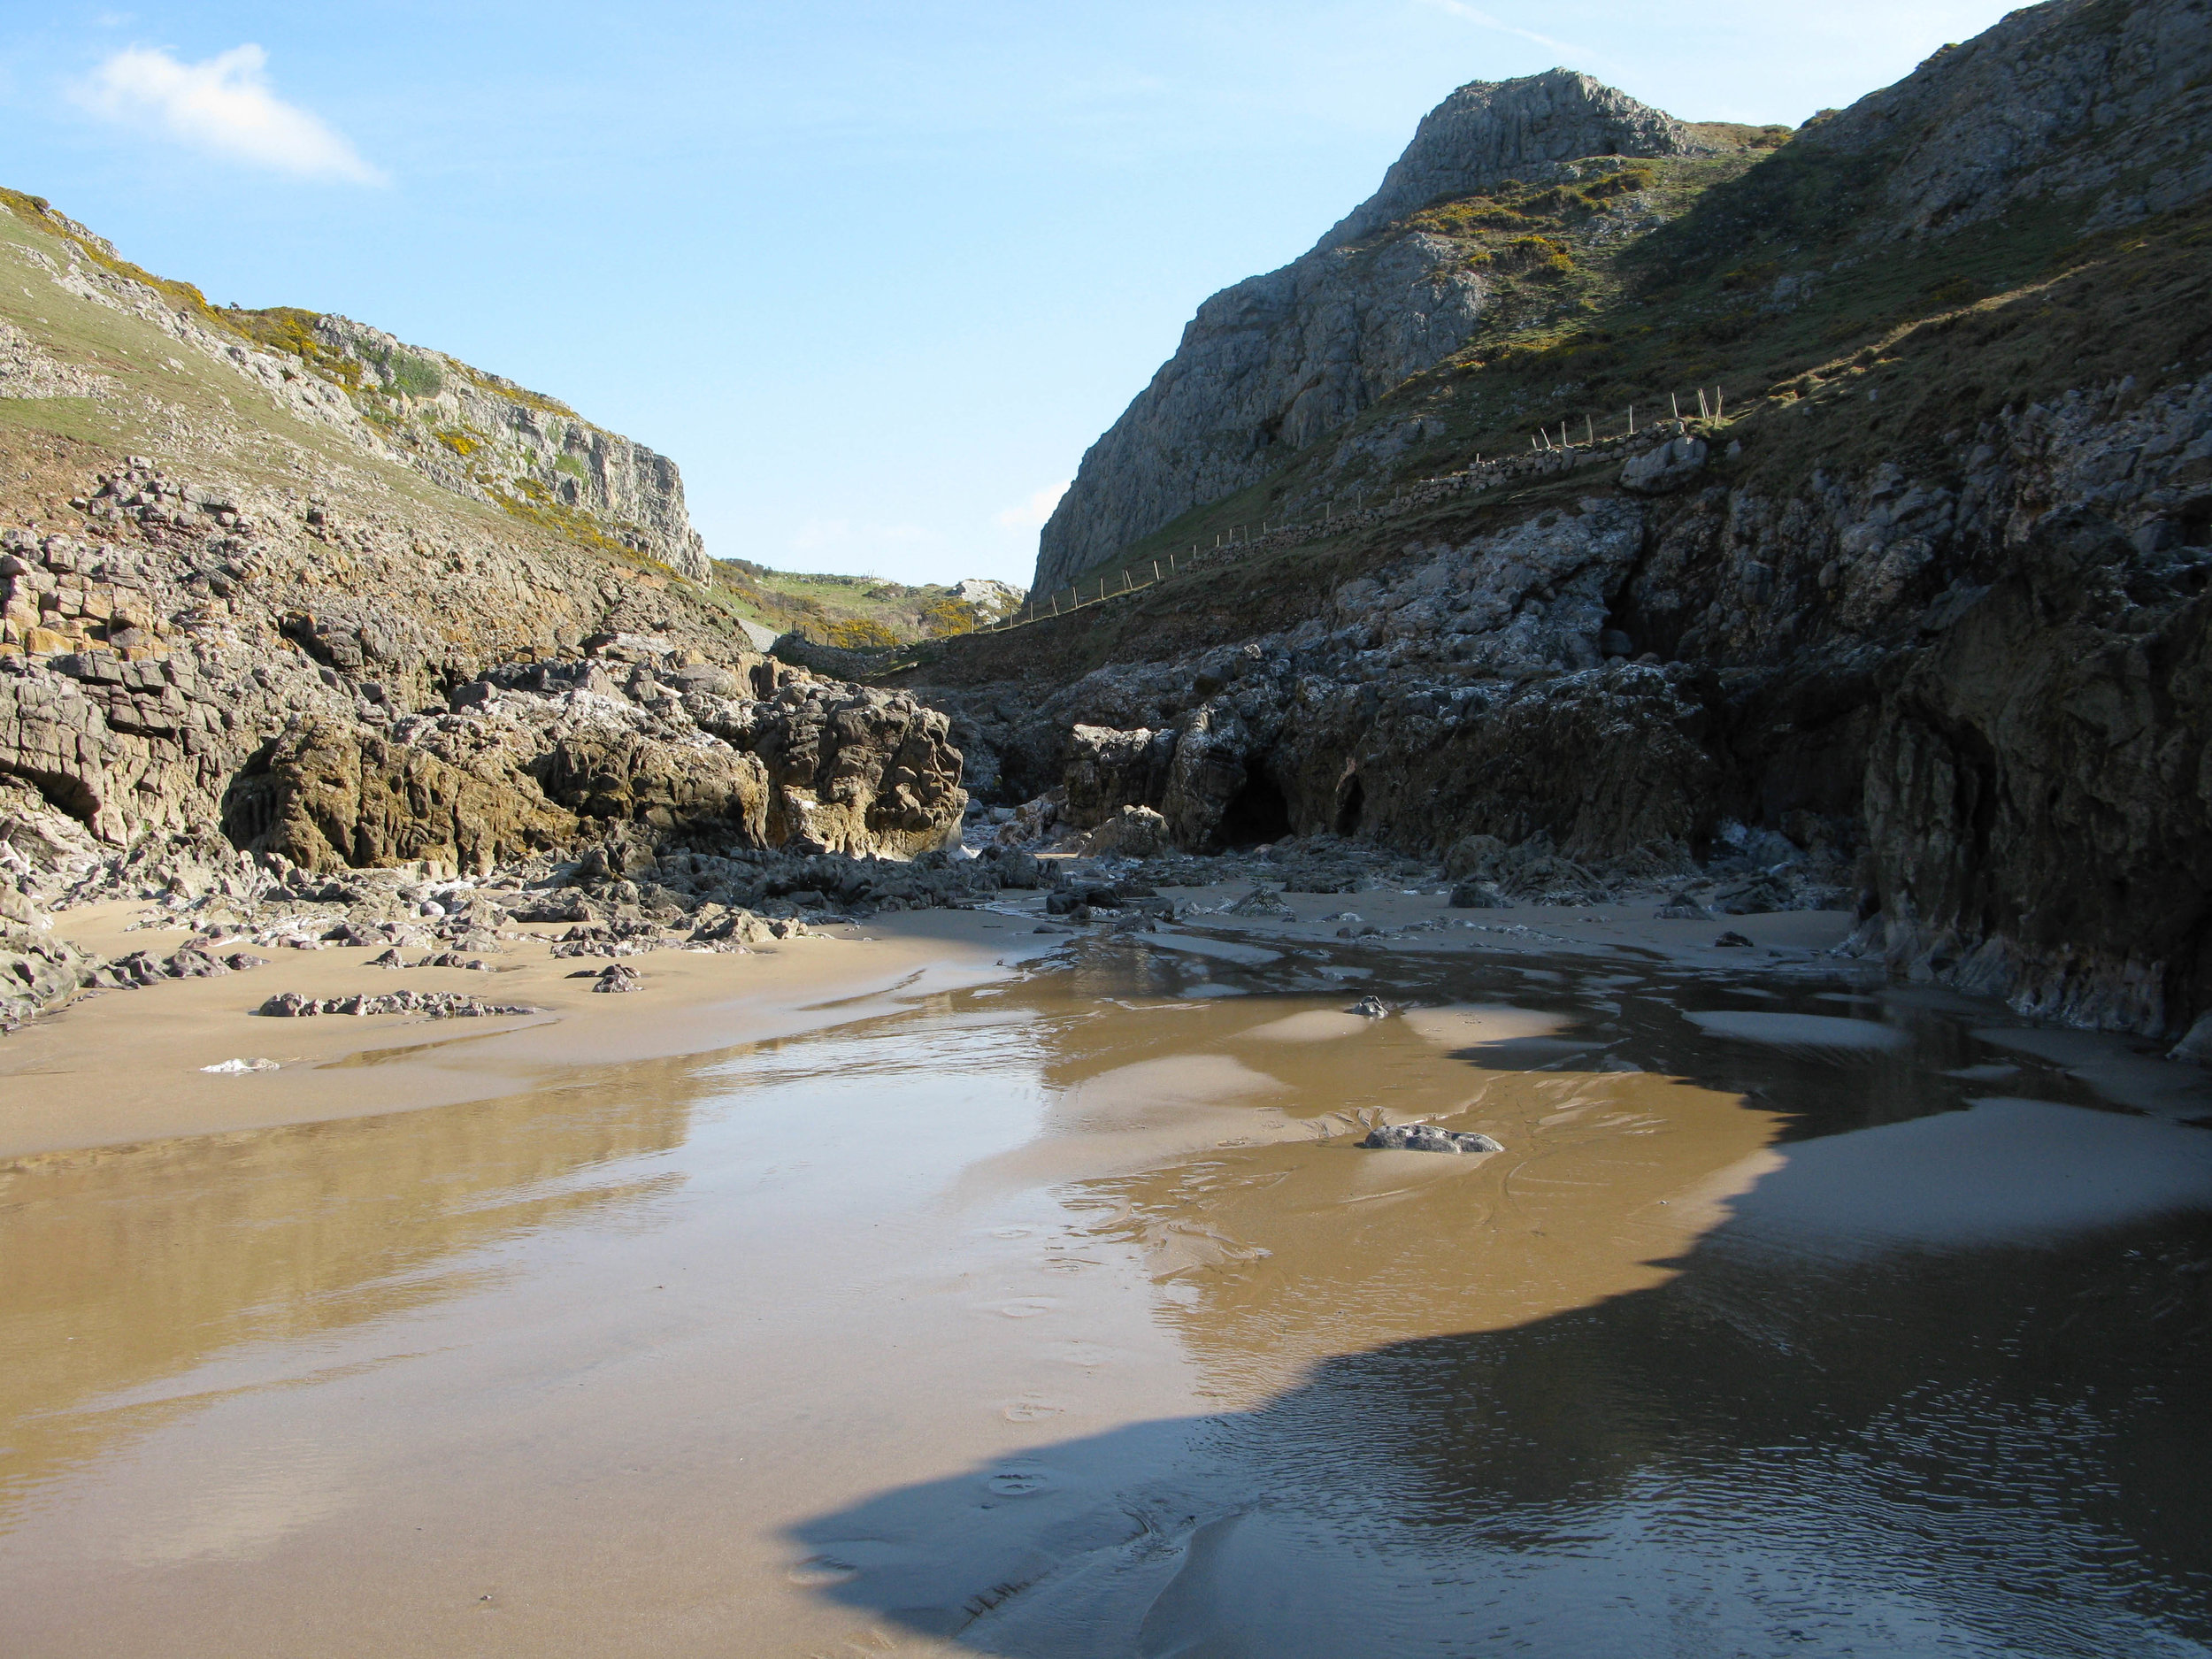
x=2060, y=100
x=475, y=433
x=1489, y=130
x=1277, y=361
x=483, y=436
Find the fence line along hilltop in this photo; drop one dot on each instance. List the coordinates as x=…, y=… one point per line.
x=1551, y=451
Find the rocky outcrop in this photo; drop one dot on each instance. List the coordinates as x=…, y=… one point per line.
x=2105, y=99
x=1973, y=700
x=1489, y=130
x=483, y=436
x=531, y=759
x=1275, y=363
x=204, y=654
x=328, y=795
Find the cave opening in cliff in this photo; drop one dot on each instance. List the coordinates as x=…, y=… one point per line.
x=1350, y=804
x=1257, y=813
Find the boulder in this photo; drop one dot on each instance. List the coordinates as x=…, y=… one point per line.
x=1666, y=468
x=1134, y=832
x=1427, y=1138
x=1472, y=895
x=1107, y=770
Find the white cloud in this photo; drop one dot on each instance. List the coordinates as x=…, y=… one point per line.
x=1032, y=513
x=223, y=106
x=1472, y=14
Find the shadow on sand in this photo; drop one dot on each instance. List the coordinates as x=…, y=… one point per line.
x=1932, y=1387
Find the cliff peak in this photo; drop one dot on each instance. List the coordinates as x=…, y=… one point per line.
x=1489, y=130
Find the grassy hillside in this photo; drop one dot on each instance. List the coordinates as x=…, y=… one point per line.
x=850, y=612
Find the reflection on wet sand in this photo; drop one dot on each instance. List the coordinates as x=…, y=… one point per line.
x=124, y=1267
x=1063, y=1317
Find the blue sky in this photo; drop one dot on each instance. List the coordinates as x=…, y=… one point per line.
x=875, y=275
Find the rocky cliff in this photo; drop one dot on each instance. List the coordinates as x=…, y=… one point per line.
x=470, y=432
x=1910, y=613
x=279, y=613
x=1278, y=361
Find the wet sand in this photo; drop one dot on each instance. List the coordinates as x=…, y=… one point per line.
x=126, y=1066
x=968, y=1289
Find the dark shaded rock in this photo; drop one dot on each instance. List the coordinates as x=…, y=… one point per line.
x=2039, y=800
x=1472, y=895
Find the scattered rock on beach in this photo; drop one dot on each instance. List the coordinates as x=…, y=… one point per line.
x=617, y=976
x=1261, y=901
x=1373, y=1008
x=436, y=1004
x=1427, y=1138
x=1732, y=940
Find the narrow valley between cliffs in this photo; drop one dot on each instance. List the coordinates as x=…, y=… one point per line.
x=1551, y=993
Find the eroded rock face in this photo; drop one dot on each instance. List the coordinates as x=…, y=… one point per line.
x=330, y=795
x=1426, y=702
x=540, y=760
x=285, y=670
x=1107, y=770
x=1965, y=695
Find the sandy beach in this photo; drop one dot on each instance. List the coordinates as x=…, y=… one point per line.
x=575, y=1333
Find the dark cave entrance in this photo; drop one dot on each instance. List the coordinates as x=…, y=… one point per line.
x=1255, y=813
x=1351, y=802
